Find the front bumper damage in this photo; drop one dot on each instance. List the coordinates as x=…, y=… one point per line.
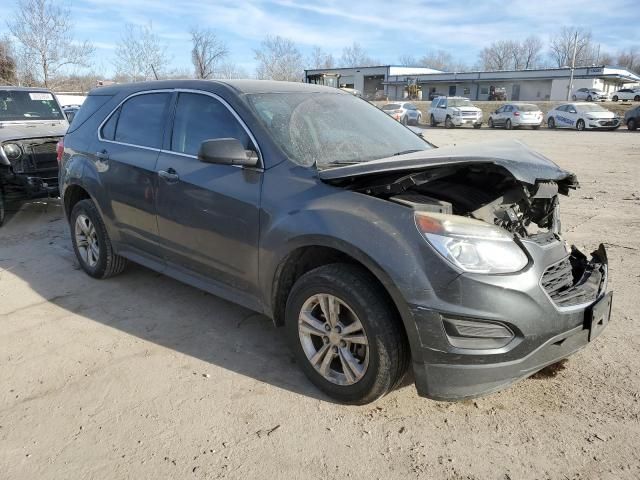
x=548, y=322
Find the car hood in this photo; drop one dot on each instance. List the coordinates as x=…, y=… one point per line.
x=523, y=163
x=22, y=130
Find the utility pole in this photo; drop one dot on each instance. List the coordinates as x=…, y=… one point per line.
x=573, y=64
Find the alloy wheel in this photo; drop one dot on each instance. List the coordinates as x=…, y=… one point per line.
x=333, y=339
x=87, y=240
x=580, y=125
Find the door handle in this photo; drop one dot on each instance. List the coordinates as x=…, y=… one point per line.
x=169, y=175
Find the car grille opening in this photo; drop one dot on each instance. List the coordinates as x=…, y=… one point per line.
x=565, y=290
x=39, y=160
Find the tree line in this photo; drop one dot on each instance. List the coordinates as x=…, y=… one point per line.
x=43, y=52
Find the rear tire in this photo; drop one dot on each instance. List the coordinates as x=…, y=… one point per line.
x=91, y=243
x=477, y=125
x=535, y=127
x=490, y=122
x=580, y=125
x=432, y=121
x=615, y=98
x=551, y=123
x=508, y=125
x=404, y=121
x=636, y=98
x=632, y=124
x=573, y=97
x=358, y=298
x=589, y=99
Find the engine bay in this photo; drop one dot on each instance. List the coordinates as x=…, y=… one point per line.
x=485, y=192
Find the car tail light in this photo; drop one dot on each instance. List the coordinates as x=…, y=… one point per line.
x=59, y=150
x=516, y=114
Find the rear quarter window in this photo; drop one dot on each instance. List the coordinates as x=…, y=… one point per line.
x=90, y=106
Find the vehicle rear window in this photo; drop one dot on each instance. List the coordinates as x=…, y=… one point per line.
x=90, y=106
x=201, y=117
x=528, y=108
x=391, y=106
x=142, y=120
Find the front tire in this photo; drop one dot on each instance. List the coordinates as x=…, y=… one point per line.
x=574, y=98
x=632, y=124
x=589, y=99
x=551, y=123
x=404, y=121
x=490, y=122
x=91, y=243
x=2, y=209
x=448, y=123
x=580, y=125
x=636, y=98
x=346, y=334
x=615, y=98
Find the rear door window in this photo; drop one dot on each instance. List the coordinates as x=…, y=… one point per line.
x=141, y=120
x=201, y=117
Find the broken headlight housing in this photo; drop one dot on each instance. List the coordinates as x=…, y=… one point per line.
x=471, y=245
x=12, y=151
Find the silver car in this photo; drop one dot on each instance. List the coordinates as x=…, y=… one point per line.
x=513, y=115
x=590, y=95
x=405, y=112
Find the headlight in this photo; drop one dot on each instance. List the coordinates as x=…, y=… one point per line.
x=590, y=118
x=471, y=245
x=12, y=151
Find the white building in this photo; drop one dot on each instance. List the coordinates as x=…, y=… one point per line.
x=531, y=85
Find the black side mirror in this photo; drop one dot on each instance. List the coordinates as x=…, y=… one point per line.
x=227, y=151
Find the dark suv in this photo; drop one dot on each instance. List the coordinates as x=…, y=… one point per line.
x=369, y=245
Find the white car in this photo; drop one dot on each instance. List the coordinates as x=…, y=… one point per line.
x=513, y=115
x=454, y=112
x=582, y=116
x=405, y=112
x=627, y=94
x=590, y=95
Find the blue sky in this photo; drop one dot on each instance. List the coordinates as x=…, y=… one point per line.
x=387, y=29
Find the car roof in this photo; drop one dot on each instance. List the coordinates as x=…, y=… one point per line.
x=240, y=86
x=444, y=96
x=24, y=89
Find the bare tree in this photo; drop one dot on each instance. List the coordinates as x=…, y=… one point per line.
x=44, y=31
x=629, y=59
x=229, y=70
x=320, y=59
x=499, y=55
x=356, y=56
x=407, y=61
x=441, y=60
x=279, y=59
x=529, y=53
x=8, y=67
x=208, y=50
x=140, y=55
x=561, y=47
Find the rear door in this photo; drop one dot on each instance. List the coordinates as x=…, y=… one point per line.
x=128, y=145
x=208, y=213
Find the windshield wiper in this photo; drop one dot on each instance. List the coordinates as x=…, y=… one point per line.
x=404, y=152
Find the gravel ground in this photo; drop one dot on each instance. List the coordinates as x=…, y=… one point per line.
x=143, y=377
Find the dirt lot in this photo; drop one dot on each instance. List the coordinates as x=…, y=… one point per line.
x=143, y=377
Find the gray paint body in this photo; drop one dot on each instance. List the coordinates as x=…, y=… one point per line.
x=228, y=230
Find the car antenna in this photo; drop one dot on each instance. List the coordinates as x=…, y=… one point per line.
x=154, y=71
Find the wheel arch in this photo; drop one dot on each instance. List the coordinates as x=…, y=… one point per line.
x=312, y=252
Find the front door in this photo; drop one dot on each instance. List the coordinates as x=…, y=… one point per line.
x=125, y=157
x=207, y=213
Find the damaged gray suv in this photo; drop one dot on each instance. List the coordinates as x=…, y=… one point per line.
x=372, y=248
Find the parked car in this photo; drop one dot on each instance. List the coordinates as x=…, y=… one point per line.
x=31, y=123
x=70, y=111
x=582, y=116
x=372, y=248
x=405, y=112
x=627, y=94
x=590, y=95
x=454, y=112
x=632, y=118
x=514, y=115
